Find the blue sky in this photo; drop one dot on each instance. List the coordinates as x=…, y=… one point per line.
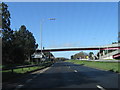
x=77, y=24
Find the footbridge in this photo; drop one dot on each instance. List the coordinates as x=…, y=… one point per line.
x=106, y=47
x=113, y=48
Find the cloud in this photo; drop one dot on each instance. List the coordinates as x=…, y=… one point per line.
x=63, y=45
x=68, y=45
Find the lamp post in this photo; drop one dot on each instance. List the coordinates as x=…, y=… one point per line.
x=41, y=29
x=41, y=24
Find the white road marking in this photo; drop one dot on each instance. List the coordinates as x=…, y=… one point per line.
x=40, y=71
x=35, y=76
x=28, y=80
x=98, y=86
x=44, y=70
x=19, y=86
x=75, y=71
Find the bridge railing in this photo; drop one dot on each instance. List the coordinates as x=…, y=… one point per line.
x=111, y=54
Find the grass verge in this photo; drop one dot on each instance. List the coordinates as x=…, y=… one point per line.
x=109, y=66
x=7, y=75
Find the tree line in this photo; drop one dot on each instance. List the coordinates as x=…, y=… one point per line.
x=17, y=45
x=83, y=55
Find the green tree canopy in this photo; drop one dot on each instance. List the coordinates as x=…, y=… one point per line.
x=7, y=34
x=79, y=55
x=91, y=55
x=25, y=40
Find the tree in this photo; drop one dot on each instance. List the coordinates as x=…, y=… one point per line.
x=61, y=59
x=91, y=55
x=72, y=57
x=7, y=34
x=49, y=56
x=114, y=42
x=25, y=40
x=0, y=16
x=79, y=55
x=5, y=17
x=16, y=46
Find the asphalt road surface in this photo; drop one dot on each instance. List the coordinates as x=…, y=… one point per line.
x=68, y=75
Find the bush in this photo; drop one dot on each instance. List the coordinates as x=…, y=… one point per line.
x=27, y=63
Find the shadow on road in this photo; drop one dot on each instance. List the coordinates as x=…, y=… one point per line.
x=61, y=76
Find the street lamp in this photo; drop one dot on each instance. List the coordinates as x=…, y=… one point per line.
x=41, y=28
x=41, y=24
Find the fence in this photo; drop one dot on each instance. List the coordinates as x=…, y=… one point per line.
x=22, y=67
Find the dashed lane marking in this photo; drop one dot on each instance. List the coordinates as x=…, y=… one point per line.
x=100, y=87
x=28, y=80
x=19, y=86
x=35, y=76
x=75, y=71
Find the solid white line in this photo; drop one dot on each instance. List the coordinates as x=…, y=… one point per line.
x=98, y=86
x=44, y=70
x=40, y=71
x=19, y=86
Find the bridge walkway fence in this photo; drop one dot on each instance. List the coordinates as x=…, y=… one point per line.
x=110, y=54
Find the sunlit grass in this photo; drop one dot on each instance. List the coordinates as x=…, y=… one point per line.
x=110, y=66
x=24, y=70
x=9, y=75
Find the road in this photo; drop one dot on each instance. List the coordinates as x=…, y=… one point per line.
x=68, y=75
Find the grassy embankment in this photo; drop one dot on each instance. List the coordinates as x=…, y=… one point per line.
x=7, y=75
x=109, y=66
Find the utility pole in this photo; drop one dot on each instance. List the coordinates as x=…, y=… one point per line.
x=41, y=30
x=41, y=27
